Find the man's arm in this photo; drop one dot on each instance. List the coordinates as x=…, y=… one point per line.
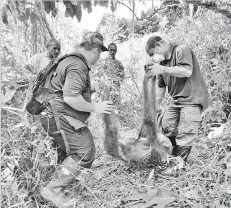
x=80, y=104
x=184, y=64
x=178, y=71
x=75, y=83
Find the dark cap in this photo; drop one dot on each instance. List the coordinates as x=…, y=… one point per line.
x=94, y=37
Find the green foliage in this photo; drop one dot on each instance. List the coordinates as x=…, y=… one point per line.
x=26, y=147
x=210, y=40
x=148, y=23
x=108, y=27
x=111, y=27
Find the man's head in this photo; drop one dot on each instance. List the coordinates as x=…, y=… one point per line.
x=112, y=50
x=92, y=43
x=53, y=48
x=157, y=46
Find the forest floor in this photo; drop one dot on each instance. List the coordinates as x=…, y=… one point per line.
x=204, y=183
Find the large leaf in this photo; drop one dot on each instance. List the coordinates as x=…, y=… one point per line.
x=4, y=14
x=49, y=6
x=74, y=2
x=9, y=93
x=70, y=9
x=78, y=12
x=33, y=18
x=101, y=3
x=158, y=197
x=10, y=83
x=87, y=5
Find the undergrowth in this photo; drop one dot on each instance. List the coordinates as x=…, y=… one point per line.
x=28, y=158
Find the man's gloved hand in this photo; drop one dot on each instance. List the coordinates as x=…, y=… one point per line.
x=153, y=70
x=103, y=107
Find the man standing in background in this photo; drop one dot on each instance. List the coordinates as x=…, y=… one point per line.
x=114, y=71
x=40, y=61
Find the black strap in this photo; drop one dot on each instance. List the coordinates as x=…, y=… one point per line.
x=57, y=121
x=53, y=107
x=77, y=55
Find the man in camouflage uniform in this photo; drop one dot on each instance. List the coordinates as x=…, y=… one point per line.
x=178, y=72
x=114, y=72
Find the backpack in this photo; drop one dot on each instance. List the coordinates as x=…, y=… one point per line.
x=41, y=92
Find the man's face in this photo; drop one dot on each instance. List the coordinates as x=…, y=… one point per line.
x=157, y=53
x=112, y=51
x=54, y=50
x=96, y=52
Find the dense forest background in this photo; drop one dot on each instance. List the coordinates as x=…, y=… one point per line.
x=27, y=156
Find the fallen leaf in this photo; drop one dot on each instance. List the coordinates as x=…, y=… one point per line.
x=33, y=129
x=180, y=162
x=99, y=174
x=192, y=194
x=8, y=95
x=9, y=83
x=150, y=175
x=158, y=197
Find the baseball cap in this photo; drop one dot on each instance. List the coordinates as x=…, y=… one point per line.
x=94, y=37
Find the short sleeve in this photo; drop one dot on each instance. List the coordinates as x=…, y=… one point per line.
x=160, y=81
x=184, y=57
x=32, y=64
x=76, y=80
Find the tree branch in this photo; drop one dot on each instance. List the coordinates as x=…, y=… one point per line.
x=211, y=6
x=43, y=16
x=128, y=8
x=165, y=7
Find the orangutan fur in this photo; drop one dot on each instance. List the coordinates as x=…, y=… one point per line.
x=111, y=144
x=147, y=147
x=149, y=127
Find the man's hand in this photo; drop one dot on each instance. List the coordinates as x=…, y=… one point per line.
x=154, y=70
x=103, y=107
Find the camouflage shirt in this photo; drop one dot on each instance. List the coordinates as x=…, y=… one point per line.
x=114, y=70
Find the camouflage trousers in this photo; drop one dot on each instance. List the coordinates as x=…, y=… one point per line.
x=180, y=123
x=115, y=97
x=80, y=141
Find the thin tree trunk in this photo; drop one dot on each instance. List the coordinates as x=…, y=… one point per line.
x=0, y=99
x=43, y=16
x=133, y=9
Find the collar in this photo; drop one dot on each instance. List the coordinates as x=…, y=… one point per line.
x=169, y=53
x=46, y=54
x=87, y=62
x=109, y=57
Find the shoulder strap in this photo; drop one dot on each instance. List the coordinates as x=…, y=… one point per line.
x=74, y=54
x=173, y=50
x=41, y=77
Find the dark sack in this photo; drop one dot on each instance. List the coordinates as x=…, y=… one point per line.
x=41, y=93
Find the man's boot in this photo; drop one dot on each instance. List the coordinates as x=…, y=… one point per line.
x=60, y=190
x=182, y=151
